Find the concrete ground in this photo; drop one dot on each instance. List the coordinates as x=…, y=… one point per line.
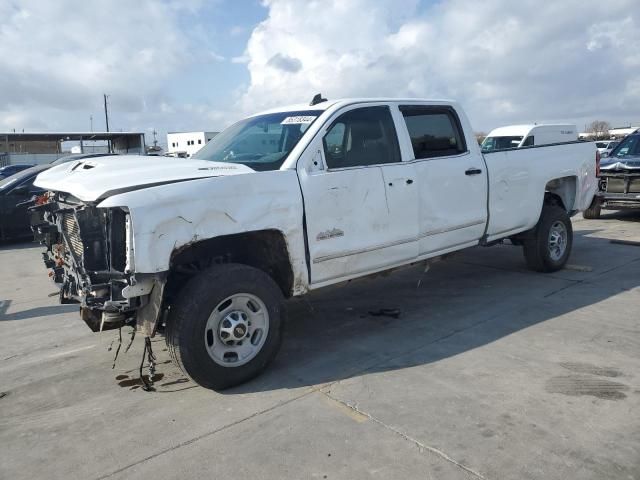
x=491, y=371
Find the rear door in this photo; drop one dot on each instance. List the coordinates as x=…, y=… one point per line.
x=360, y=199
x=452, y=179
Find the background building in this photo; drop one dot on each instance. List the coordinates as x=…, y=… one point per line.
x=621, y=132
x=185, y=144
x=612, y=133
x=37, y=148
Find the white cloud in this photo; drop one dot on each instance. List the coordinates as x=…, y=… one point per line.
x=571, y=60
x=58, y=54
x=58, y=58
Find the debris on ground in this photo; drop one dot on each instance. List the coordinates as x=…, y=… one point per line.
x=386, y=312
x=579, y=268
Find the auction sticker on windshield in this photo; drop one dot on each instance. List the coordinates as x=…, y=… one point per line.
x=297, y=120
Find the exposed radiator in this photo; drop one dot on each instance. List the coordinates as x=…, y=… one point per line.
x=72, y=232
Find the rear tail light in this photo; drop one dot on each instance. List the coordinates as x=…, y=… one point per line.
x=597, y=163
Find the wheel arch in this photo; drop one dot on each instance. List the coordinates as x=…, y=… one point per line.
x=562, y=191
x=262, y=249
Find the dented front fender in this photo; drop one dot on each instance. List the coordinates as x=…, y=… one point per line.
x=168, y=217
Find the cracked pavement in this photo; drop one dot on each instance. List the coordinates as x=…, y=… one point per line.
x=491, y=371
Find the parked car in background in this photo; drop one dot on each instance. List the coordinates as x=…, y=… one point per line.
x=79, y=156
x=9, y=170
x=15, y=193
x=18, y=189
x=518, y=136
x=619, y=185
x=606, y=146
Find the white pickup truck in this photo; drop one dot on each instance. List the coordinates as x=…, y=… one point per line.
x=288, y=201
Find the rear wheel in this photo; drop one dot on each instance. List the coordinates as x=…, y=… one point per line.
x=593, y=212
x=226, y=325
x=548, y=246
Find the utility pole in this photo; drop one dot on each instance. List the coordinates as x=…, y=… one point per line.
x=155, y=141
x=106, y=121
x=106, y=112
x=91, y=122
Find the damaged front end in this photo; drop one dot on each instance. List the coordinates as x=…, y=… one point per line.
x=90, y=257
x=620, y=184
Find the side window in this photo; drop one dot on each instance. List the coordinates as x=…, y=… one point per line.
x=434, y=131
x=361, y=137
x=529, y=141
x=334, y=139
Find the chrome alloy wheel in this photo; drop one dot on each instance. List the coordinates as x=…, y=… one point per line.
x=236, y=330
x=557, y=240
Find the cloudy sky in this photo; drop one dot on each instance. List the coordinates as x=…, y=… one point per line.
x=199, y=65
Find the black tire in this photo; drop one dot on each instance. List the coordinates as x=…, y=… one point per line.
x=187, y=323
x=593, y=212
x=536, y=244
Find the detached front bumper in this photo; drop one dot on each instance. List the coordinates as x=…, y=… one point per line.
x=90, y=257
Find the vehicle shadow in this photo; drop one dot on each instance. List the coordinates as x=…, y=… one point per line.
x=34, y=312
x=17, y=244
x=471, y=300
x=631, y=215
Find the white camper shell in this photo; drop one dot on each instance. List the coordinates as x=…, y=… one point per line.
x=518, y=136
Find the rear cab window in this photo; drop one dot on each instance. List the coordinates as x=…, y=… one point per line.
x=435, y=131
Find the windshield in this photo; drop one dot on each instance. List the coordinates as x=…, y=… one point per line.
x=14, y=180
x=29, y=173
x=262, y=142
x=7, y=182
x=500, y=143
x=629, y=147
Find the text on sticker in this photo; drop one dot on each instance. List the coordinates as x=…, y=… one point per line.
x=297, y=120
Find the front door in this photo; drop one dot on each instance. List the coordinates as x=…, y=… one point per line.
x=360, y=199
x=15, y=215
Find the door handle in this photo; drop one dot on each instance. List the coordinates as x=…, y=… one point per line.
x=473, y=171
x=409, y=181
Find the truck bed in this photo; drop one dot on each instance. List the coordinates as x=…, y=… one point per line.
x=519, y=177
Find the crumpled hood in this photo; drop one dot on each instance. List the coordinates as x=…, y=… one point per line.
x=620, y=164
x=94, y=179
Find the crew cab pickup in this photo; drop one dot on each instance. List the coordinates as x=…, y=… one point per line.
x=288, y=201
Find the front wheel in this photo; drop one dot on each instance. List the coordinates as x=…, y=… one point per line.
x=548, y=246
x=226, y=325
x=593, y=212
